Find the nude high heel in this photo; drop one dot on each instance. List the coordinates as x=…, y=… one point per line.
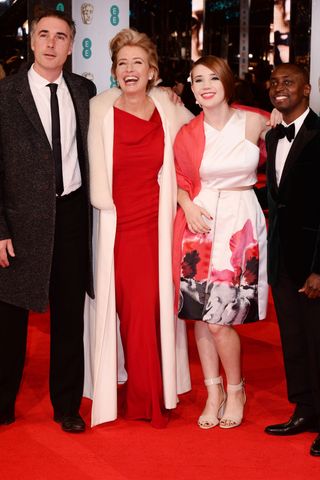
x=234, y=419
x=210, y=421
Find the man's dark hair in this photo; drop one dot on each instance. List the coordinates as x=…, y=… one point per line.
x=299, y=69
x=57, y=14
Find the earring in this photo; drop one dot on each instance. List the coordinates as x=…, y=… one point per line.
x=114, y=81
x=150, y=78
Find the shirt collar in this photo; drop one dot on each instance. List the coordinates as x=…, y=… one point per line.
x=298, y=121
x=40, y=82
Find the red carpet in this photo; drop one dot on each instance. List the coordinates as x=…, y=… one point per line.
x=35, y=448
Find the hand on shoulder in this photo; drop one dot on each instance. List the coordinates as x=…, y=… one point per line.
x=256, y=126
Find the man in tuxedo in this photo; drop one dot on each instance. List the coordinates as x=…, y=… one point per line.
x=293, y=176
x=45, y=217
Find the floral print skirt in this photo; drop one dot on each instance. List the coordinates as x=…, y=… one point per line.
x=223, y=273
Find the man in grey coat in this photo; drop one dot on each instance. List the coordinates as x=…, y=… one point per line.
x=45, y=217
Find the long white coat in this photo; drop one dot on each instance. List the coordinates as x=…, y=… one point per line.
x=101, y=342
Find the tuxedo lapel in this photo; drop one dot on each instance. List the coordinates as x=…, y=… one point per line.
x=304, y=136
x=271, y=165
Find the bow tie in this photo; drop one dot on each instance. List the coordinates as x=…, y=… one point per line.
x=283, y=131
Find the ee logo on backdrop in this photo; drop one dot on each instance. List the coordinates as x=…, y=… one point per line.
x=114, y=18
x=60, y=7
x=86, y=44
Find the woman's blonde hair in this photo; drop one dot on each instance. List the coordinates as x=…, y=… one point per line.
x=131, y=37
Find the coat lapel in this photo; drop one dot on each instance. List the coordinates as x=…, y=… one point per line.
x=80, y=101
x=26, y=101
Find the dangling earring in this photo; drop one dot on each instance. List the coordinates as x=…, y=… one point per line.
x=114, y=82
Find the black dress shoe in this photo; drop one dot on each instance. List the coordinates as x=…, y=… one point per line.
x=7, y=419
x=293, y=426
x=315, y=447
x=70, y=423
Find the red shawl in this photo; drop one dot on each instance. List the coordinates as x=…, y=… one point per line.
x=188, y=150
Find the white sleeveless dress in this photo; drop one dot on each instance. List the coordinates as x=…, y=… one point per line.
x=223, y=275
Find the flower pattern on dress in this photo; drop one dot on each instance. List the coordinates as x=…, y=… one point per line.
x=228, y=296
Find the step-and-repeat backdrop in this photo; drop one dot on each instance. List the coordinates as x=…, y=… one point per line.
x=97, y=21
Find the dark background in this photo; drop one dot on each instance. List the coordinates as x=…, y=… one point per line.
x=169, y=23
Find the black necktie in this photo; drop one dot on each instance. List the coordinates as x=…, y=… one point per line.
x=283, y=131
x=56, y=141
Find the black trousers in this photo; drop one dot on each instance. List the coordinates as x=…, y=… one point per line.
x=66, y=297
x=299, y=323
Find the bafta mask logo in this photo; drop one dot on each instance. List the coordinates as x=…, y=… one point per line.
x=88, y=75
x=87, y=13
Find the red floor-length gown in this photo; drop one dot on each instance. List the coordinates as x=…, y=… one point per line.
x=138, y=157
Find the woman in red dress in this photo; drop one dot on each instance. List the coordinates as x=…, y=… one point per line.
x=137, y=157
x=133, y=187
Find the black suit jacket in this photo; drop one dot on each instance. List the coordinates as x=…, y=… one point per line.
x=27, y=188
x=294, y=206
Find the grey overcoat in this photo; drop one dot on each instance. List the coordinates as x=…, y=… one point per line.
x=27, y=188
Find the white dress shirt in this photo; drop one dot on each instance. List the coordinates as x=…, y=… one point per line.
x=68, y=125
x=284, y=145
